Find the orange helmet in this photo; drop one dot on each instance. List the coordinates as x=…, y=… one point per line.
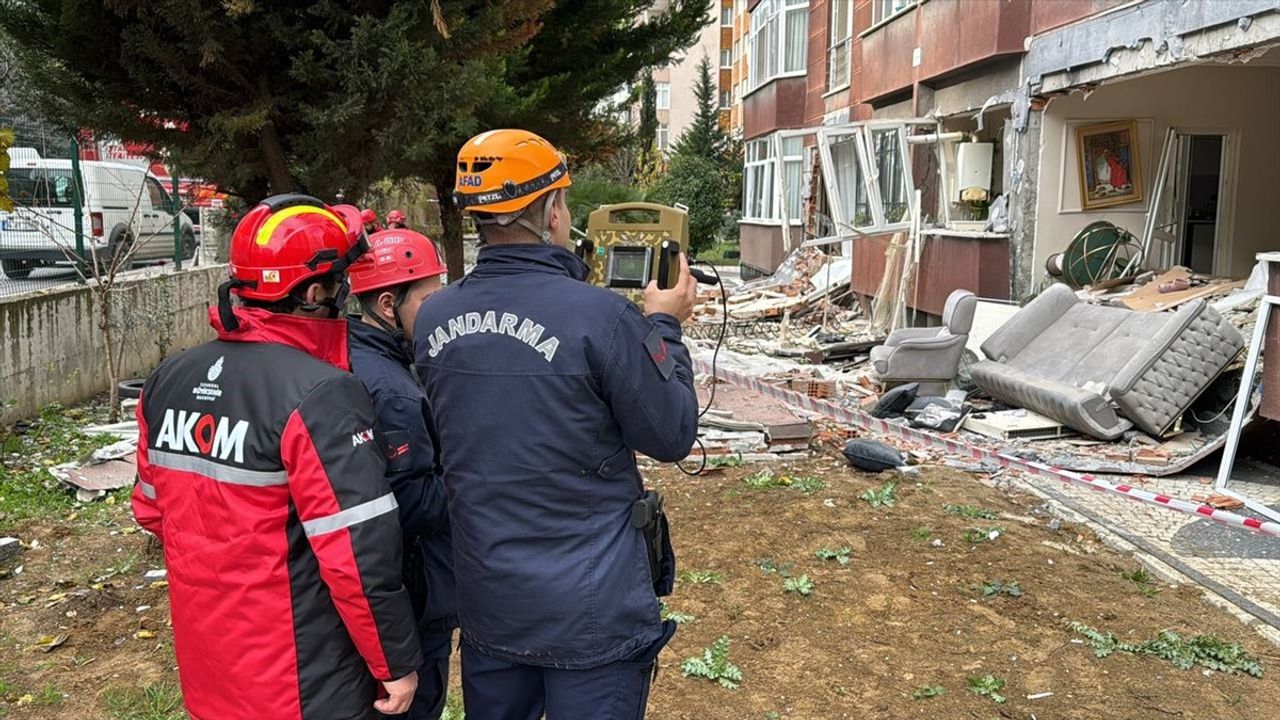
x=285, y=240
x=395, y=257
x=503, y=171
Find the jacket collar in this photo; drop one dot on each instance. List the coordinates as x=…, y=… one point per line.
x=496, y=260
x=378, y=340
x=320, y=338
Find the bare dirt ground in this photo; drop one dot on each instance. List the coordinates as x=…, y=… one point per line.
x=904, y=613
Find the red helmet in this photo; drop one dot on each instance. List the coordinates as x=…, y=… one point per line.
x=395, y=216
x=395, y=257
x=284, y=240
x=368, y=216
x=351, y=215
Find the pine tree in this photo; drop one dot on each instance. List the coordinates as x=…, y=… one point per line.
x=266, y=97
x=647, y=132
x=704, y=137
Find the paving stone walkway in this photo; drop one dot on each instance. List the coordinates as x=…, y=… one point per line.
x=1241, y=562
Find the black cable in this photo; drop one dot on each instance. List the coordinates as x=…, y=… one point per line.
x=715, y=356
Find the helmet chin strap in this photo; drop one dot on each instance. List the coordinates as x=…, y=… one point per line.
x=331, y=305
x=396, y=331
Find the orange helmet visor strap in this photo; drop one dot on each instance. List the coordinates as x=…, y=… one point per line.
x=511, y=190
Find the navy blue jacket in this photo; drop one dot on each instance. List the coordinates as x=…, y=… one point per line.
x=405, y=427
x=549, y=386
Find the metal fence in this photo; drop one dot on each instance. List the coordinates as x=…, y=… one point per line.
x=79, y=220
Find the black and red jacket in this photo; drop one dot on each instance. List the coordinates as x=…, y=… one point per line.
x=259, y=472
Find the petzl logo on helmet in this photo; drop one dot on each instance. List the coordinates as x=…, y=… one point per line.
x=213, y=437
x=215, y=369
x=270, y=276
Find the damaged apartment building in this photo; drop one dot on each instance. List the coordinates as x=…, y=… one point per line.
x=982, y=107
x=1067, y=204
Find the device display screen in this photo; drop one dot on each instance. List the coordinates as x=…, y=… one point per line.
x=629, y=267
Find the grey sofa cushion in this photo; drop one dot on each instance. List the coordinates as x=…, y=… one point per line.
x=1068, y=360
x=1157, y=388
x=1077, y=408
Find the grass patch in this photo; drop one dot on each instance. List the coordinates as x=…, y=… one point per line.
x=882, y=496
x=988, y=686
x=969, y=511
x=767, y=479
x=678, y=618
x=769, y=565
x=717, y=255
x=801, y=586
x=843, y=555
x=921, y=534
x=1146, y=584
x=995, y=588
x=714, y=665
x=1207, y=651
x=928, y=691
x=726, y=461
x=26, y=453
x=159, y=701
x=702, y=577
x=453, y=708
x=981, y=535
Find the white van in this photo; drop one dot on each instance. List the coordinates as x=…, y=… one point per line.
x=123, y=205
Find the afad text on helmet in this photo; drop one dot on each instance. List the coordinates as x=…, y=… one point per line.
x=522, y=329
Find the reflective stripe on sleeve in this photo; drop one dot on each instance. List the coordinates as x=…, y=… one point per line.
x=350, y=516
x=217, y=471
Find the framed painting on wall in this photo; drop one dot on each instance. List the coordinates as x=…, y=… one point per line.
x=1110, y=173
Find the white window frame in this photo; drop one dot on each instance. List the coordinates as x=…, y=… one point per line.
x=776, y=163
x=726, y=58
x=885, y=10
x=753, y=171
x=662, y=95
x=726, y=10
x=726, y=99
x=663, y=137
x=769, y=19
x=839, y=40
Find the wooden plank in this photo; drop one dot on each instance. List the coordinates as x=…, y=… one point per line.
x=1166, y=301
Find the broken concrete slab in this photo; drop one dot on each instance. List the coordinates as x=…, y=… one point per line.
x=9, y=547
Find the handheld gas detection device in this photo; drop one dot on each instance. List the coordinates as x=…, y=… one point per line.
x=627, y=245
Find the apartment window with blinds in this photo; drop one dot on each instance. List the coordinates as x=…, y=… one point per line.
x=663, y=101
x=884, y=9
x=778, y=40
x=840, y=43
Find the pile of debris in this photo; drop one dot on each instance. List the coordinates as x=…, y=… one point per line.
x=745, y=424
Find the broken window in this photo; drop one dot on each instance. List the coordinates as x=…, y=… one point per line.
x=850, y=188
x=867, y=176
x=891, y=176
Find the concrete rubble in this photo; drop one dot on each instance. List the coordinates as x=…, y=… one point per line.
x=797, y=331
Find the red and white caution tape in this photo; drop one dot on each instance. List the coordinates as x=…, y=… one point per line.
x=860, y=419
